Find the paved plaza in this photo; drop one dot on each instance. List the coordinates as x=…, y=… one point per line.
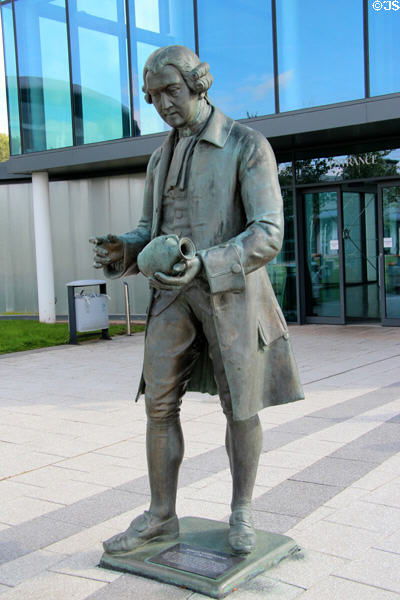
x=73, y=470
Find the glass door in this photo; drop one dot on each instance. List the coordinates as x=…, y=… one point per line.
x=360, y=246
x=324, y=271
x=389, y=203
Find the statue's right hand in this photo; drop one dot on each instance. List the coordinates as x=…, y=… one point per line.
x=108, y=249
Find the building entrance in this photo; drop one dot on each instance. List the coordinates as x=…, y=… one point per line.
x=352, y=257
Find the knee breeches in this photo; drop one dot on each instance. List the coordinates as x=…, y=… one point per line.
x=173, y=343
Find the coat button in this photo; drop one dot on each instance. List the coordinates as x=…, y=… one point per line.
x=286, y=335
x=236, y=268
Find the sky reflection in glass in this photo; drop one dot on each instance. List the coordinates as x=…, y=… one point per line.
x=11, y=78
x=99, y=70
x=384, y=51
x=154, y=24
x=44, y=75
x=320, y=52
x=237, y=43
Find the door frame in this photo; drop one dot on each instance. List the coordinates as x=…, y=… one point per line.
x=339, y=320
x=364, y=190
x=386, y=321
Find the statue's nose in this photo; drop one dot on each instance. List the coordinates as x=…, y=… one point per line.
x=165, y=101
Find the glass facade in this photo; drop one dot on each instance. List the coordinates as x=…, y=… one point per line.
x=99, y=70
x=153, y=24
x=45, y=109
x=11, y=78
x=384, y=45
x=242, y=65
x=89, y=55
x=320, y=52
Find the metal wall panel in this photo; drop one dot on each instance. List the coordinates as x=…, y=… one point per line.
x=79, y=209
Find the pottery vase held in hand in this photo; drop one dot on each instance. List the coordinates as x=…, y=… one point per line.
x=163, y=252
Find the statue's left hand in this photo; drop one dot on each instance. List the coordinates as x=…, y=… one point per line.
x=185, y=271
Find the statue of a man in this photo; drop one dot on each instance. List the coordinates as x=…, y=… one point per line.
x=214, y=324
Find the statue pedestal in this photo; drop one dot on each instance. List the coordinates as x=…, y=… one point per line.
x=200, y=559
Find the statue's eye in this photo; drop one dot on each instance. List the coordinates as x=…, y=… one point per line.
x=173, y=90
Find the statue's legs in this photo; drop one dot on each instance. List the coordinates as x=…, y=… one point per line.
x=171, y=350
x=243, y=443
x=164, y=445
x=170, y=353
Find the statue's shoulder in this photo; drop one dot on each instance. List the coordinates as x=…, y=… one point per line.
x=226, y=133
x=248, y=136
x=249, y=144
x=155, y=156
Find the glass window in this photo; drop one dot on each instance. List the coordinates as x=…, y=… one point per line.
x=99, y=70
x=153, y=24
x=282, y=269
x=43, y=75
x=11, y=78
x=320, y=52
x=384, y=47
x=104, y=9
x=237, y=43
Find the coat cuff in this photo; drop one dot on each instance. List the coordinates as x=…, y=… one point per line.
x=128, y=263
x=223, y=268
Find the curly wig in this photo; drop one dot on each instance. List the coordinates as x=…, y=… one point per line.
x=195, y=73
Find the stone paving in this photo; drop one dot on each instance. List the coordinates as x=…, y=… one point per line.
x=72, y=470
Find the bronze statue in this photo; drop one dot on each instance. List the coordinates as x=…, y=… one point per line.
x=214, y=324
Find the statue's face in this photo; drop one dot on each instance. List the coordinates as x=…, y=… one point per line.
x=173, y=100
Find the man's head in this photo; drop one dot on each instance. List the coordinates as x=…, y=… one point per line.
x=175, y=81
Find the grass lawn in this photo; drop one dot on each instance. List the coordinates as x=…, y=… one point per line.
x=17, y=335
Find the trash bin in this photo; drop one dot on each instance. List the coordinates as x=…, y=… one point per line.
x=87, y=311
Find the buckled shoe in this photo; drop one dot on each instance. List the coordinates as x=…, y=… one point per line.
x=242, y=536
x=143, y=529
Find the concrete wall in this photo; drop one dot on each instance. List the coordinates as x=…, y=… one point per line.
x=79, y=209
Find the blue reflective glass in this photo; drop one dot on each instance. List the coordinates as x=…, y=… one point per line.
x=384, y=47
x=99, y=70
x=43, y=74
x=153, y=24
x=320, y=52
x=235, y=38
x=11, y=78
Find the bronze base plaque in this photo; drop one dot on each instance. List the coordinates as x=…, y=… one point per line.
x=201, y=558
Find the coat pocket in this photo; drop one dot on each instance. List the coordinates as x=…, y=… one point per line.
x=276, y=330
x=263, y=339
